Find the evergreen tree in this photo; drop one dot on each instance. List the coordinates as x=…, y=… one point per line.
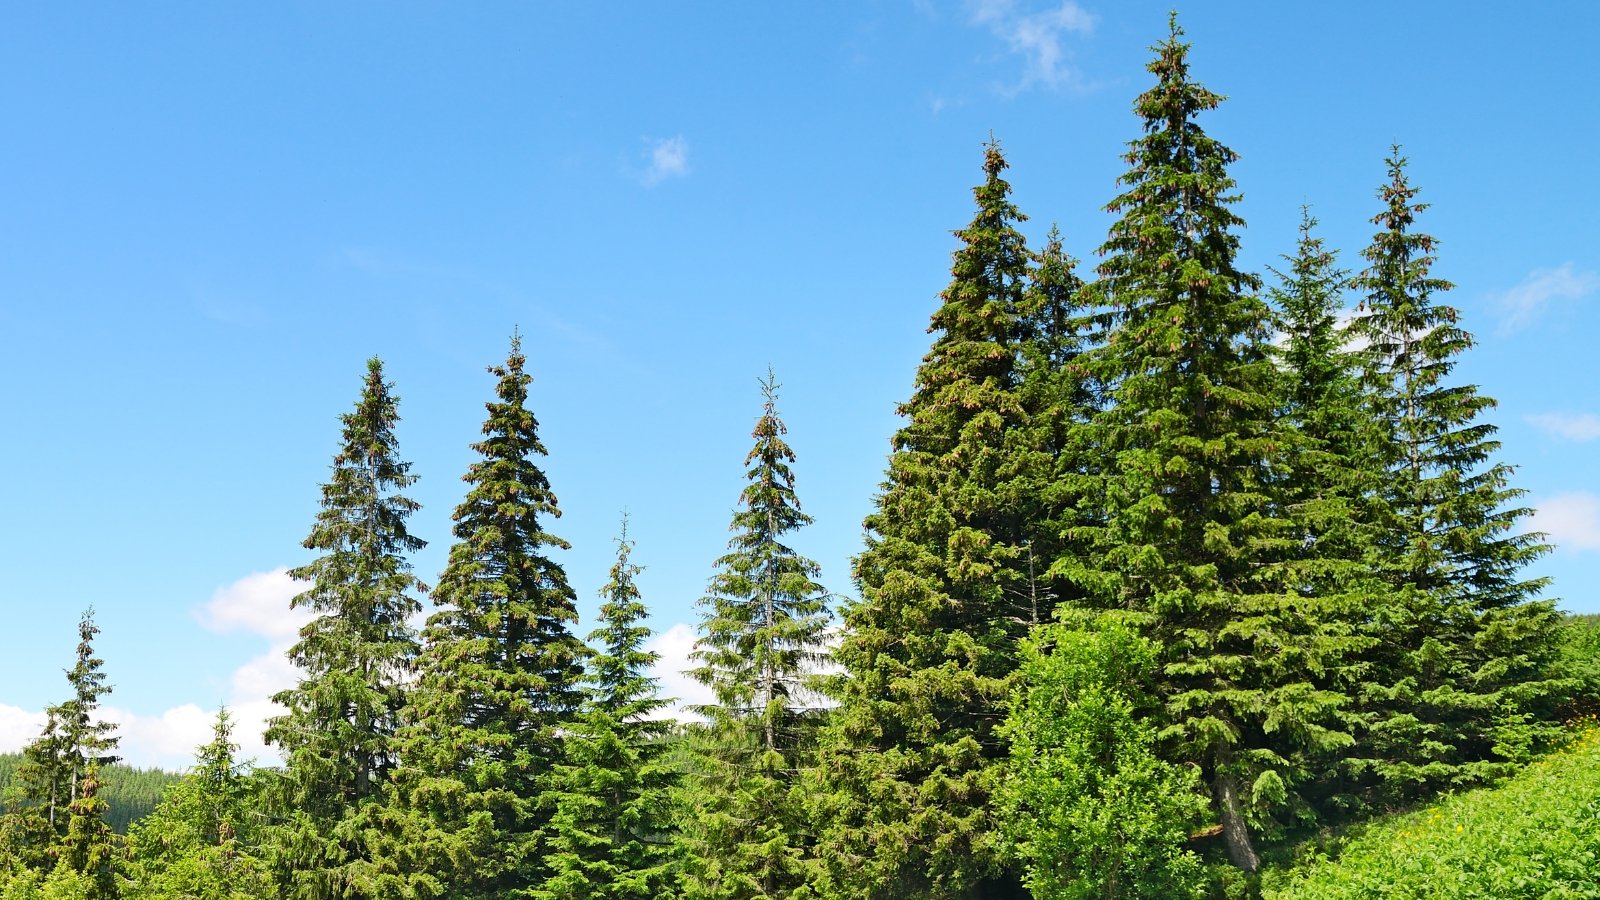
x=56, y=764
x=500, y=679
x=761, y=639
x=203, y=840
x=1463, y=638
x=1194, y=540
x=948, y=587
x=88, y=849
x=610, y=835
x=1329, y=494
x=338, y=737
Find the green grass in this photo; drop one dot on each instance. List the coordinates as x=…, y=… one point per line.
x=1536, y=835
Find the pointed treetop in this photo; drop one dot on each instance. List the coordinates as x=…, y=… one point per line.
x=994, y=161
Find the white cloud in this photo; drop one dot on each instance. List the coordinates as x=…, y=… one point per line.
x=1572, y=426
x=17, y=727
x=1037, y=38
x=667, y=158
x=1522, y=304
x=674, y=646
x=1571, y=520
x=256, y=604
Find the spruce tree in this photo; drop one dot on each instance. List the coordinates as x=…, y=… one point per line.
x=88, y=849
x=337, y=739
x=500, y=678
x=204, y=839
x=761, y=639
x=949, y=583
x=1328, y=492
x=1194, y=542
x=610, y=835
x=56, y=764
x=1464, y=638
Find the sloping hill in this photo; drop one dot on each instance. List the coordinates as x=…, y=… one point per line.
x=1537, y=835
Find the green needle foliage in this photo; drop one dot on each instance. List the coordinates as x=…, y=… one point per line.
x=946, y=592
x=610, y=836
x=1467, y=641
x=499, y=681
x=1329, y=492
x=1094, y=811
x=56, y=765
x=1195, y=539
x=337, y=738
x=761, y=640
x=204, y=839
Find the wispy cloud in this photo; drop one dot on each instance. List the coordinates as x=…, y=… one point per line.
x=1037, y=37
x=1524, y=303
x=1572, y=520
x=666, y=158
x=1572, y=426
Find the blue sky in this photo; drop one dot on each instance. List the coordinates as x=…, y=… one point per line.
x=212, y=214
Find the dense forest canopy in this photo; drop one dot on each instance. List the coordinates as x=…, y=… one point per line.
x=1175, y=566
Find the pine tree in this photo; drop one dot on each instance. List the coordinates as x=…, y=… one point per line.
x=610, y=836
x=203, y=840
x=338, y=737
x=500, y=679
x=1195, y=540
x=1463, y=638
x=761, y=638
x=88, y=849
x=56, y=763
x=1329, y=494
x=949, y=583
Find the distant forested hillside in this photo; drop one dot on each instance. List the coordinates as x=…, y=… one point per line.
x=130, y=793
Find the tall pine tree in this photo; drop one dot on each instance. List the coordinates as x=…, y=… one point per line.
x=337, y=738
x=1194, y=542
x=761, y=640
x=610, y=835
x=500, y=679
x=1328, y=492
x=1464, y=638
x=948, y=586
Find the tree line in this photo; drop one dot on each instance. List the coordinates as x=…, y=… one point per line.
x=1171, y=567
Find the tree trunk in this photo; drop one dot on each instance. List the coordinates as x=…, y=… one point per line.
x=1226, y=792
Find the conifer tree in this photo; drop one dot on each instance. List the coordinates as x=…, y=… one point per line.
x=203, y=840
x=337, y=738
x=1329, y=493
x=88, y=849
x=610, y=836
x=500, y=679
x=761, y=639
x=1194, y=538
x=55, y=764
x=1464, y=637
x=948, y=587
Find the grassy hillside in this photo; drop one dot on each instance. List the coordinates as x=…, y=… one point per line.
x=1537, y=835
x=129, y=793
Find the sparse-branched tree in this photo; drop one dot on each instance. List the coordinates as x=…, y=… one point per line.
x=761, y=640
